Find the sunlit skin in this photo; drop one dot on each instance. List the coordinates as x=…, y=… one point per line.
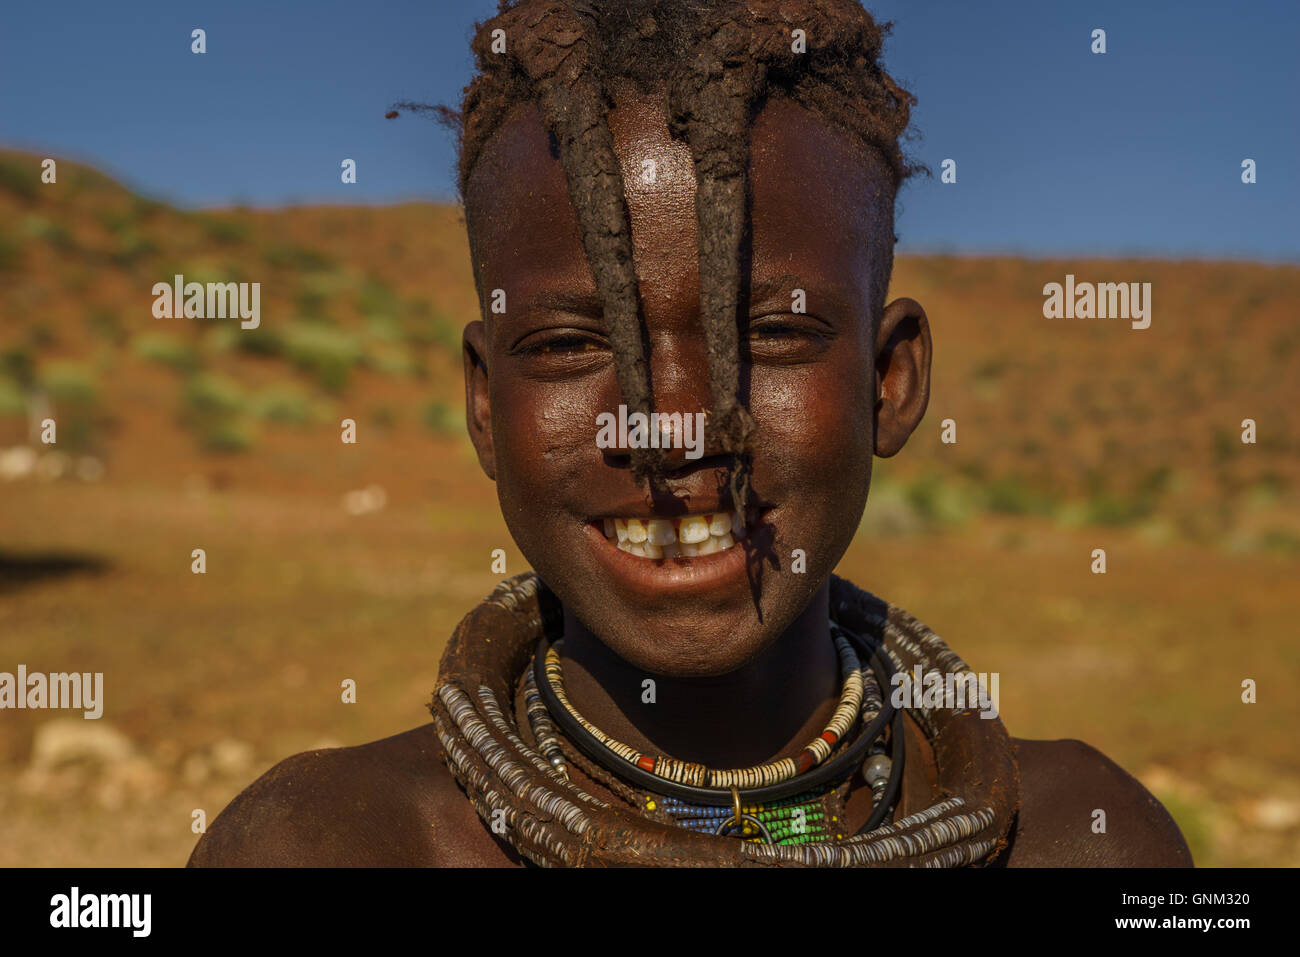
x=744, y=666
x=754, y=664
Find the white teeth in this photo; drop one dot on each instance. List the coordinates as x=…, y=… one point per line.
x=660, y=532
x=694, y=530
x=686, y=537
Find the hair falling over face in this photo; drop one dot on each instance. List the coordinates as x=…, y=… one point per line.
x=715, y=64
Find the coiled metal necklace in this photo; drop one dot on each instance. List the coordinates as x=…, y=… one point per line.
x=550, y=820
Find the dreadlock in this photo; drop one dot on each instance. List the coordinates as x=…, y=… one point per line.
x=717, y=62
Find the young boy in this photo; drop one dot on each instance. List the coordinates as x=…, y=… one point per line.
x=685, y=208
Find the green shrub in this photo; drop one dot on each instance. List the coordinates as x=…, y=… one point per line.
x=222, y=231
x=105, y=324
x=166, y=350
x=45, y=230
x=446, y=334
x=73, y=388
x=938, y=502
x=1155, y=482
x=208, y=395
x=989, y=371
x=436, y=330
x=142, y=207
x=224, y=336
x=1281, y=541
x=389, y=359
x=326, y=354
x=1011, y=495
x=440, y=419
x=889, y=514
x=133, y=247
x=297, y=258
x=22, y=178
x=16, y=365
x=70, y=382
x=115, y=221
x=235, y=435
x=315, y=293
x=11, y=254
x=262, y=341
x=206, y=270
x=1267, y=489
x=1107, y=509
x=13, y=400
x=215, y=408
x=384, y=328
x=285, y=404
x=376, y=298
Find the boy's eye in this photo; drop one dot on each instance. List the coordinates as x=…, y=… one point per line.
x=780, y=327
x=785, y=337
x=773, y=330
x=563, y=343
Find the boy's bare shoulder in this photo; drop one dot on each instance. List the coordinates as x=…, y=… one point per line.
x=1062, y=786
x=393, y=803
x=389, y=803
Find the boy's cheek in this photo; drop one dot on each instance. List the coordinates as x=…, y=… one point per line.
x=816, y=423
x=542, y=447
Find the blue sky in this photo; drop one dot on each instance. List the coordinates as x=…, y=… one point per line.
x=1059, y=151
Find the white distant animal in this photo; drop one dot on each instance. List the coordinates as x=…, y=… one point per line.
x=363, y=501
x=17, y=462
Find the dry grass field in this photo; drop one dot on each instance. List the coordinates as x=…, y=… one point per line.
x=328, y=561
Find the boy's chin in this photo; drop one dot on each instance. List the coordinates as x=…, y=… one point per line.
x=689, y=646
x=701, y=653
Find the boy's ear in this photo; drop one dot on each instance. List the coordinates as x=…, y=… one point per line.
x=478, y=402
x=902, y=373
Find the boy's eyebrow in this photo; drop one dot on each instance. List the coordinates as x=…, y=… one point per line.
x=590, y=304
x=579, y=303
x=837, y=296
x=774, y=288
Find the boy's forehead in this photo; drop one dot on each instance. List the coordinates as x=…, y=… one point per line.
x=821, y=204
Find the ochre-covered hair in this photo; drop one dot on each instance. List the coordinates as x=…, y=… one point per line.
x=715, y=63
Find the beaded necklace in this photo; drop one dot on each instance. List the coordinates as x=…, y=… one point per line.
x=810, y=816
x=552, y=821
x=852, y=702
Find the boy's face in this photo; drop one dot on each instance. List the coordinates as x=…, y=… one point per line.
x=538, y=376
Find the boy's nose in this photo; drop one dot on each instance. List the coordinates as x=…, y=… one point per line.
x=688, y=443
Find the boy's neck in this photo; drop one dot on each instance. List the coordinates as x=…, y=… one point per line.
x=767, y=709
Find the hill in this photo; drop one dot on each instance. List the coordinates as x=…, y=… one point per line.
x=328, y=561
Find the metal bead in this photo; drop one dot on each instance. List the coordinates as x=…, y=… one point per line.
x=875, y=770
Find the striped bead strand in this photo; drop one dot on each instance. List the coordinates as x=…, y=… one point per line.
x=698, y=775
x=539, y=719
x=797, y=820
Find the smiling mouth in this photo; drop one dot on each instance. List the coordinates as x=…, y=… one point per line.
x=688, y=536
